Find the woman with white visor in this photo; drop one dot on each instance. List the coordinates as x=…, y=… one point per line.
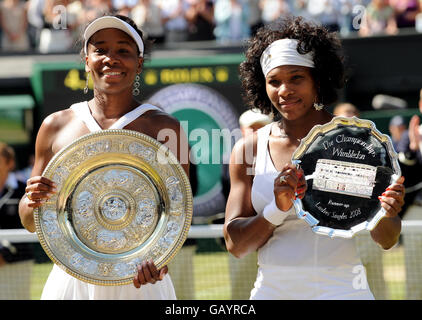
x=114, y=50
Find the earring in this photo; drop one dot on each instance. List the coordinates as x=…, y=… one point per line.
x=86, y=84
x=136, y=85
x=318, y=106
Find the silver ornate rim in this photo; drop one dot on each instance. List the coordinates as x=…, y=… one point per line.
x=308, y=140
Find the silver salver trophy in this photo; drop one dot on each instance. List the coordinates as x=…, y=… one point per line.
x=347, y=163
x=122, y=198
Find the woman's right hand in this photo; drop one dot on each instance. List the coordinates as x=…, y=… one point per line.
x=289, y=185
x=147, y=272
x=38, y=190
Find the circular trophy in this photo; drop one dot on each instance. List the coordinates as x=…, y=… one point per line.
x=122, y=198
x=348, y=164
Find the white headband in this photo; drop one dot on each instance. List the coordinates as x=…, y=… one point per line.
x=284, y=52
x=112, y=22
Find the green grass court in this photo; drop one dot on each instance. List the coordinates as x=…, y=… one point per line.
x=212, y=269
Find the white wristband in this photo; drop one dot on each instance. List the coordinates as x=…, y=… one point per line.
x=276, y=216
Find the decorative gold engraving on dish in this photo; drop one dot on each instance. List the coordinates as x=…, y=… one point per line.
x=116, y=206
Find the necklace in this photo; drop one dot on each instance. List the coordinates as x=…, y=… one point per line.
x=283, y=133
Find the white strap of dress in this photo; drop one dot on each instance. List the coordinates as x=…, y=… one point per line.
x=132, y=115
x=84, y=113
x=262, y=148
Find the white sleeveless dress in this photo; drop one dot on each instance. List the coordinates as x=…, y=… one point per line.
x=296, y=263
x=62, y=286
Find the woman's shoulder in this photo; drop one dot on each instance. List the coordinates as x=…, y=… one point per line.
x=57, y=120
x=61, y=115
x=245, y=149
x=251, y=140
x=162, y=118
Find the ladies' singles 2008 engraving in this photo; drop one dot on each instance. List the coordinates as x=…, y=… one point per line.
x=123, y=198
x=347, y=163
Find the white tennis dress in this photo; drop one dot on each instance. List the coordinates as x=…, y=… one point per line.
x=296, y=263
x=62, y=286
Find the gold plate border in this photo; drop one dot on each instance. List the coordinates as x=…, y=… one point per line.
x=185, y=188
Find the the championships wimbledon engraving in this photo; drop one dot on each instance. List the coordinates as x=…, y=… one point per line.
x=337, y=149
x=123, y=198
x=347, y=163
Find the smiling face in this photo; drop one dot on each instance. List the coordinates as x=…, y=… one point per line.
x=113, y=61
x=292, y=90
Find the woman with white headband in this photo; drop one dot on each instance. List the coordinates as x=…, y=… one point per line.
x=114, y=50
x=292, y=70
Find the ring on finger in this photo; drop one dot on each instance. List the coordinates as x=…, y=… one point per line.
x=283, y=179
x=29, y=195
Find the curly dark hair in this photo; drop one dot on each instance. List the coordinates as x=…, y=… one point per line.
x=328, y=74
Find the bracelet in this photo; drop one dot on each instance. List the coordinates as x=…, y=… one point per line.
x=274, y=215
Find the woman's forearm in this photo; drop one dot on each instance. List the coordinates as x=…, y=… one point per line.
x=244, y=235
x=387, y=232
x=26, y=215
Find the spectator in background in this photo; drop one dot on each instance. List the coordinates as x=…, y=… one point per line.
x=325, y=12
x=35, y=18
x=406, y=11
x=16, y=259
x=273, y=9
x=397, y=128
x=25, y=173
x=255, y=20
x=346, y=110
x=175, y=24
x=200, y=18
x=80, y=12
x=75, y=19
x=57, y=36
x=231, y=17
x=148, y=15
x=379, y=19
x=299, y=8
x=415, y=130
x=346, y=15
x=94, y=9
x=123, y=7
x=410, y=161
x=14, y=23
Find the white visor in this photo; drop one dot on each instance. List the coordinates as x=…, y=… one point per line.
x=284, y=52
x=112, y=22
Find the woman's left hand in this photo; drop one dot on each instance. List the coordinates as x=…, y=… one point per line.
x=392, y=199
x=148, y=273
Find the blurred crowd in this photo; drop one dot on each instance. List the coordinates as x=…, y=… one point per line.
x=55, y=25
